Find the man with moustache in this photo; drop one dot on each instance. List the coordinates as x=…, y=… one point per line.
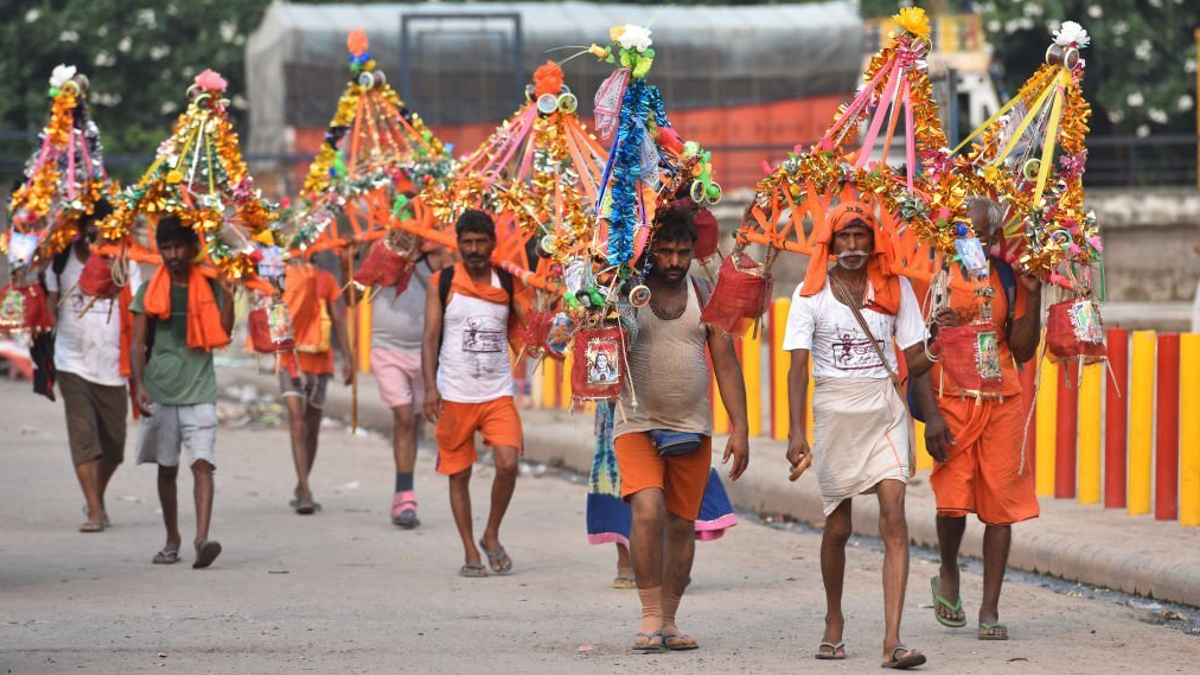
x=664, y=442
x=847, y=318
x=469, y=384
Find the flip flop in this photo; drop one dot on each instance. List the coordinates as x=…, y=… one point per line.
x=473, y=571
x=92, y=526
x=206, y=553
x=494, y=558
x=685, y=642
x=909, y=660
x=624, y=578
x=167, y=556
x=648, y=645
x=305, y=506
x=953, y=607
x=992, y=631
x=832, y=656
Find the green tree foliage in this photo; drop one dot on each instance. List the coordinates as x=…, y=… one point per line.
x=139, y=56
x=1141, y=65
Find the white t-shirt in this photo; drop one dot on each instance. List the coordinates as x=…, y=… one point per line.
x=473, y=365
x=831, y=334
x=87, y=346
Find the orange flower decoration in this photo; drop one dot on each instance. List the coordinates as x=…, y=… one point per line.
x=548, y=79
x=357, y=42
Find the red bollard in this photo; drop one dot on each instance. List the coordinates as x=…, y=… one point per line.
x=1067, y=433
x=1116, y=419
x=1166, y=449
x=1028, y=378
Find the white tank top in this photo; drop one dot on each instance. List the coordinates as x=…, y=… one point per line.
x=473, y=365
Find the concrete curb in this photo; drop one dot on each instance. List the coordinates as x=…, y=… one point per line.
x=1077, y=543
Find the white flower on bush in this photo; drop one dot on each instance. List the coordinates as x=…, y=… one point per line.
x=634, y=37
x=1184, y=103
x=1135, y=100
x=61, y=73
x=1071, y=33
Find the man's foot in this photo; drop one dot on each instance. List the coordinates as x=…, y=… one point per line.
x=206, y=552
x=903, y=658
x=948, y=613
x=472, y=571
x=305, y=505
x=830, y=651
x=404, y=510
x=676, y=640
x=92, y=526
x=498, y=559
x=167, y=556
x=648, y=641
x=624, y=578
x=992, y=631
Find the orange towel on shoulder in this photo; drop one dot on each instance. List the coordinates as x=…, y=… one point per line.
x=204, y=329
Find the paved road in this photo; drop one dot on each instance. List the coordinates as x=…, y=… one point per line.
x=344, y=592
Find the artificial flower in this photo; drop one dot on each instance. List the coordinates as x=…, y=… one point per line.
x=211, y=80
x=631, y=36
x=1071, y=34
x=915, y=21
x=62, y=73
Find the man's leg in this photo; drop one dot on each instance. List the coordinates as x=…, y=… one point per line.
x=88, y=474
x=460, y=505
x=203, y=493
x=997, y=540
x=646, y=547
x=170, y=508
x=894, y=530
x=679, y=551
x=833, y=573
x=296, y=431
x=502, y=491
x=950, y=531
x=312, y=432
x=404, y=449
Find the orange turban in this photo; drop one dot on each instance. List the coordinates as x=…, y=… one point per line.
x=884, y=285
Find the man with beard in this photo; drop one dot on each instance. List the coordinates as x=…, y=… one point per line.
x=847, y=318
x=977, y=441
x=179, y=318
x=469, y=383
x=664, y=442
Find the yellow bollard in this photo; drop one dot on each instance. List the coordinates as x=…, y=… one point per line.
x=720, y=417
x=782, y=359
x=752, y=372
x=1189, y=430
x=548, y=376
x=1141, y=421
x=565, y=402
x=924, y=460
x=1047, y=413
x=1089, y=433
x=364, y=337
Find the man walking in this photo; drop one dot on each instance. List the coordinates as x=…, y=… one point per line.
x=91, y=357
x=664, y=443
x=978, y=442
x=179, y=318
x=318, y=314
x=469, y=383
x=397, y=331
x=846, y=320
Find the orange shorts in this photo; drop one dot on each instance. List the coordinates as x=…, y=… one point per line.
x=681, y=478
x=983, y=473
x=497, y=420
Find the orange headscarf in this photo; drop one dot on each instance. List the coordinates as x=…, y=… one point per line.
x=204, y=329
x=885, y=286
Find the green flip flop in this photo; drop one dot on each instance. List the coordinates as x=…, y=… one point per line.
x=953, y=607
x=992, y=631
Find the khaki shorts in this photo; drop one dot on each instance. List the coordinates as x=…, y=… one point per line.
x=310, y=386
x=172, y=430
x=95, y=419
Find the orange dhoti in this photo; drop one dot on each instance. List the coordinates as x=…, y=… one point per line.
x=985, y=472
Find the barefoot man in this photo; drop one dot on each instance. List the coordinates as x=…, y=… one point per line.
x=847, y=318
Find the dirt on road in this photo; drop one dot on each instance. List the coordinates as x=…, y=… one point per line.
x=343, y=591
